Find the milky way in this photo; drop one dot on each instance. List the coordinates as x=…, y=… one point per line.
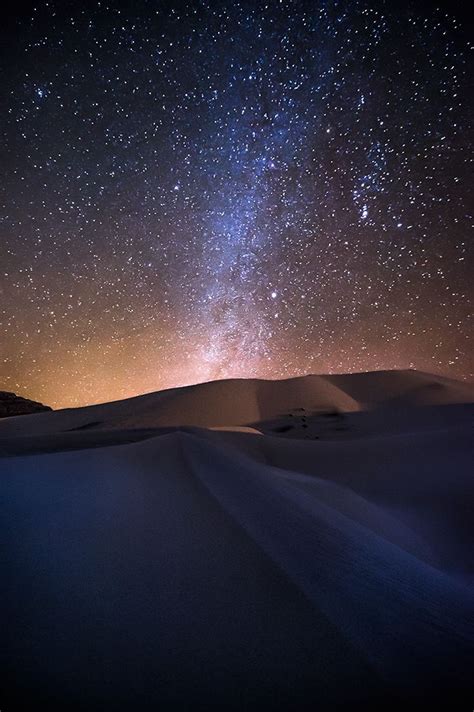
x=215, y=189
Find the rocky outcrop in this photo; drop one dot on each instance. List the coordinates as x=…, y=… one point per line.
x=11, y=404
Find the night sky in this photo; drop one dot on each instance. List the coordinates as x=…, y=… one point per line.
x=213, y=189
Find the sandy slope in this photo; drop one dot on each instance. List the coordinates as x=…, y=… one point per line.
x=184, y=568
x=248, y=402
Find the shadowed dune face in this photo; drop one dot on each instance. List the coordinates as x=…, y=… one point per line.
x=242, y=545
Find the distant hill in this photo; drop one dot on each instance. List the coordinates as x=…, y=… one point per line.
x=11, y=404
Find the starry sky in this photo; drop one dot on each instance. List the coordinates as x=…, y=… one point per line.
x=194, y=191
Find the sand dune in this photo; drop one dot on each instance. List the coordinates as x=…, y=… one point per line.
x=184, y=550
x=247, y=402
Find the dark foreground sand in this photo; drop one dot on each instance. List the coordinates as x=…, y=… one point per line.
x=304, y=544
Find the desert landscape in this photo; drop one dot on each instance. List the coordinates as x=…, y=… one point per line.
x=295, y=544
x=236, y=373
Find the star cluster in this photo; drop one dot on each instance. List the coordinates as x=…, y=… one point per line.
x=237, y=188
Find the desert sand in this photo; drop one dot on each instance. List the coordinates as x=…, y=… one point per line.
x=242, y=544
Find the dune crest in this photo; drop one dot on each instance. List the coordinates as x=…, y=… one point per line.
x=247, y=402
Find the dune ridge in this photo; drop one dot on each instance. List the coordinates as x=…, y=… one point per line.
x=244, y=402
